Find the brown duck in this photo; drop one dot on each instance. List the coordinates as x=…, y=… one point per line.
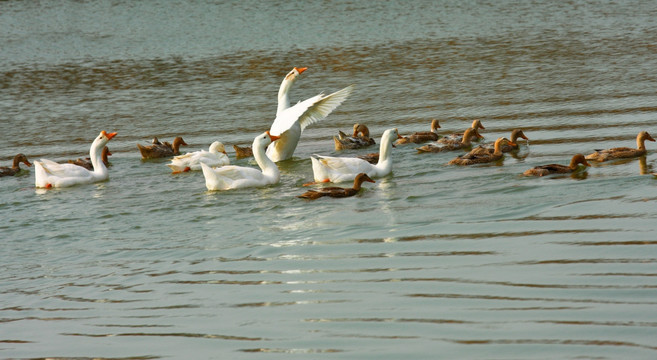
x=15, y=168
x=361, y=138
x=160, y=150
x=337, y=192
x=371, y=158
x=470, y=158
x=556, y=168
x=623, y=152
x=476, y=124
x=86, y=162
x=422, y=136
x=507, y=147
x=453, y=144
x=243, y=151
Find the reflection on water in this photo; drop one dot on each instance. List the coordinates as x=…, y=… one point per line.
x=480, y=261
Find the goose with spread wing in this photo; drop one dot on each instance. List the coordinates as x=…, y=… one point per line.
x=291, y=121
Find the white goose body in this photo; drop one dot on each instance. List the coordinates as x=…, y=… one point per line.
x=237, y=177
x=341, y=169
x=215, y=157
x=48, y=173
x=291, y=121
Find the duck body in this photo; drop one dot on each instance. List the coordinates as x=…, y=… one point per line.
x=337, y=192
x=339, y=169
x=357, y=141
x=371, y=158
x=422, y=136
x=506, y=147
x=242, y=151
x=161, y=150
x=87, y=164
x=474, y=158
x=623, y=152
x=48, y=173
x=236, y=177
x=556, y=168
x=476, y=124
x=450, y=144
x=214, y=157
x=290, y=122
x=15, y=167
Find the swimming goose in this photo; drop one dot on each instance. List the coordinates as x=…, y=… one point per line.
x=337, y=192
x=422, y=136
x=290, y=122
x=49, y=174
x=283, y=103
x=15, y=168
x=623, y=152
x=339, y=169
x=215, y=157
x=556, y=168
x=237, y=177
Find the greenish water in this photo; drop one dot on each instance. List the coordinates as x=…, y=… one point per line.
x=434, y=261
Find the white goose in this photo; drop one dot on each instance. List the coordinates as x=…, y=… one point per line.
x=291, y=121
x=215, y=157
x=286, y=85
x=237, y=177
x=339, y=169
x=49, y=174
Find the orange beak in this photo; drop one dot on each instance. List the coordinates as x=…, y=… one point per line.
x=300, y=70
x=27, y=163
x=110, y=135
x=272, y=137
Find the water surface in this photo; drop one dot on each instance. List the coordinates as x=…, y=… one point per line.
x=433, y=261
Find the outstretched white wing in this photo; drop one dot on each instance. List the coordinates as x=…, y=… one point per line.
x=309, y=111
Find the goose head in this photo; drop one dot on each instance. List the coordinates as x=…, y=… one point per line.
x=263, y=140
x=294, y=73
x=103, y=138
x=217, y=147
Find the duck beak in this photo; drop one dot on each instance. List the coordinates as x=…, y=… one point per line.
x=300, y=70
x=650, y=138
x=586, y=163
x=368, y=179
x=27, y=163
x=273, y=137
